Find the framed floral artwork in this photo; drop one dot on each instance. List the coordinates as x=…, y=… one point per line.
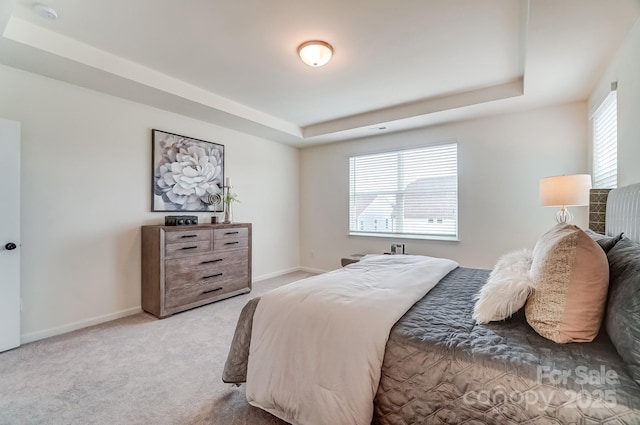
x=188, y=173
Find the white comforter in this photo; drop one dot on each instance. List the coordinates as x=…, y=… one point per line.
x=317, y=344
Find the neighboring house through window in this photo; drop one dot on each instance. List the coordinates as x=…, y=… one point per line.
x=411, y=192
x=605, y=143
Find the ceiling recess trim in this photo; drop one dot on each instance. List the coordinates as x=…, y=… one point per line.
x=78, y=63
x=414, y=109
x=43, y=39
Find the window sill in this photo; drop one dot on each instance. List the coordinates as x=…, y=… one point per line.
x=406, y=236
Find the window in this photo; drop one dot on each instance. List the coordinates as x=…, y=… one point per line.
x=411, y=192
x=605, y=143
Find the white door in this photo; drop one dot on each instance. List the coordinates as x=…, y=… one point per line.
x=9, y=234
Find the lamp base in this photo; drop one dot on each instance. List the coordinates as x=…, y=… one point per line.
x=564, y=216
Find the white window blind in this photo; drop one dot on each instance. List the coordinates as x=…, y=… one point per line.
x=605, y=143
x=411, y=192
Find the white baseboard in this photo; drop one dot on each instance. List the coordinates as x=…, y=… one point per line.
x=275, y=274
x=283, y=272
x=310, y=270
x=34, y=336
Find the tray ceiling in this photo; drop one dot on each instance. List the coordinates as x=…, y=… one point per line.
x=396, y=65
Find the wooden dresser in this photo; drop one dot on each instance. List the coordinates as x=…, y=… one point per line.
x=188, y=266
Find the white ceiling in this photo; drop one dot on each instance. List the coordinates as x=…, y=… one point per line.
x=397, y=65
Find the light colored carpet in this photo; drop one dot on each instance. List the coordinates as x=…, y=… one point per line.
x=135, y=370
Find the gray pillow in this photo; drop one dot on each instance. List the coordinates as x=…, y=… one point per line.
x=623, y=309
x=605, y=242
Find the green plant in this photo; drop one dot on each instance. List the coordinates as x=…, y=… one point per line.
x=230, y=197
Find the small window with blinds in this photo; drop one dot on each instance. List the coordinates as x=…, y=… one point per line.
x=409, y=193
x=605, y=144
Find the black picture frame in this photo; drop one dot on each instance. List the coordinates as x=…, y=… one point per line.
x=187, y=174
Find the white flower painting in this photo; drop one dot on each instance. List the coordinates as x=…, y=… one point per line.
x=188, y=173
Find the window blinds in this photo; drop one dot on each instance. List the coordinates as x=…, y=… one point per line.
x=605, y=143
x=410, y=192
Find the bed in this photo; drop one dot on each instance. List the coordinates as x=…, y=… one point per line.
x=441, y=367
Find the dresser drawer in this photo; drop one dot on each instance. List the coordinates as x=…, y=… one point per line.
x=230, y=233
x=204, y=288
x=181, y=249
x=214, y=261
x=187, y=235
x=206, y=275
x=221, y=245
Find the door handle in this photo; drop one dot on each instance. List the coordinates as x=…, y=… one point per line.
x=10, y=246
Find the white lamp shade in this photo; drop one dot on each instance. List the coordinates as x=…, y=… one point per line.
x=315, y=53
x=565, y=190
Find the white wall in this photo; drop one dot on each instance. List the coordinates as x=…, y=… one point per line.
x=625, y=69
x=86, y=178
x=501, y=160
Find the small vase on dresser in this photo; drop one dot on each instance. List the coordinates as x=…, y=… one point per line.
x=228, y=213
x=188, y=266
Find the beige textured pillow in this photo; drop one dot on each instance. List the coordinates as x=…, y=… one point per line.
x=571, y=274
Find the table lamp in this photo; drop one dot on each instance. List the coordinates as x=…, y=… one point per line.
x=565, y=191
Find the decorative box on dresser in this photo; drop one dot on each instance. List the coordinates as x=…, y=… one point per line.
x=188, y=266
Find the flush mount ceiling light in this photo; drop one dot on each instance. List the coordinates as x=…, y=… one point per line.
x=45, y=11
x=315, y=53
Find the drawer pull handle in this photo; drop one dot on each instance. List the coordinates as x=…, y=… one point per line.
x=211, y=261
x=189, y=247
x=213, y=275
x=232, y=243
x=231, y=233
x=212, y=290
x=189, y=236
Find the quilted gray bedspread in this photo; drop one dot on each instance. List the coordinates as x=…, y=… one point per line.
x=440, y=367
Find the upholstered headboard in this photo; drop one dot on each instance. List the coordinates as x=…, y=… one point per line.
x=623, y=212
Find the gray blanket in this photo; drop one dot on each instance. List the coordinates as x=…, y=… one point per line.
x=440, y=367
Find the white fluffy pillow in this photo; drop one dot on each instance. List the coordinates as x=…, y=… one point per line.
x=507, y=288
